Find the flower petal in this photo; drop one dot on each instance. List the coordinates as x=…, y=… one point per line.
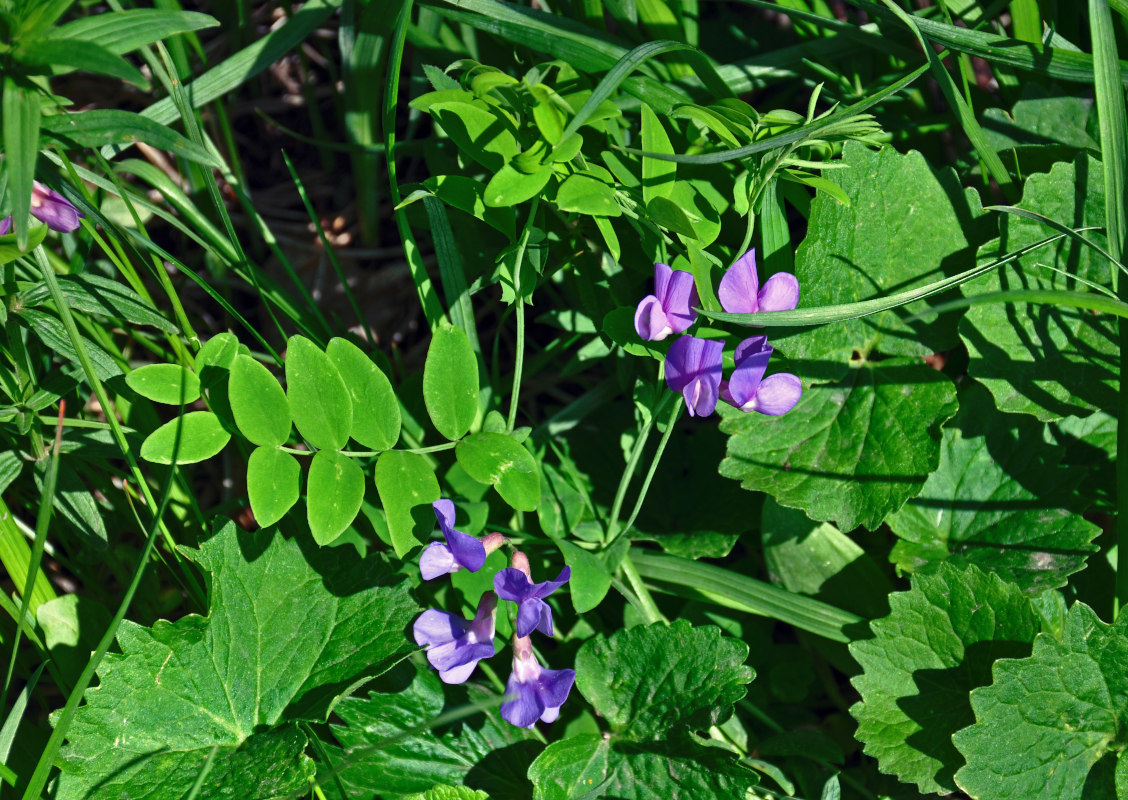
x=682, y=362
x=529, y=616
x=548, y=587
x=51, y=207
x=740, y=286
x=701, y=396
x=437, y=560
x=750, y=347
x=467, y=658
x=524, y=707
x=745, y=381
x=434, y=627
x=650, y=320
x=444, y=513
x=467, y=550
x=681, y=296
x=511, y=584
x=662, y=274
x=554, y=685
x=778, y=394
x=780, y=293
x=5, y=225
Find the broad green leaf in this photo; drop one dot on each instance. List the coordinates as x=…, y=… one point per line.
x=482, y=751
x=589, y=765
x=510, y=186
x=1046, y=720
x=583, y=194
x=72, y=625
x=703, y=217
x=274, y=479
x=213, y=362
x=1039, y=119
x=478, y=131
x=334, y=492
x=123, y=31
x=449, y=793
x=450, y=383
x=905, y=227
x=112, y=126
x=999, y=499
x=258, y=403
x=657, y=176
x=852, y=451
x=590, y=579
x=9, y=249
x=1039, y=359
x=165, y=383
x=407, y=487
x=651, y=681
x=319, y=399
x=97, y=295
x=467, y=194
x=376, y=411
x=196, y=436
x=936, y=645
x=498, y=460
x=60, y=54
x=290, y=629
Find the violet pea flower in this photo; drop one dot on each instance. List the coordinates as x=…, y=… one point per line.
x=693, y=367
x=461, y=550
x=455, y=646
x=740, y=291
x=749, y=390
x=534, y=692
x=532, y=612
x=670, y=308
x=50, y=207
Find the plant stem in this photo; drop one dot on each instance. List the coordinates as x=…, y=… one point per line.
x=646, y=603
x=519, y=301
x=653, y=468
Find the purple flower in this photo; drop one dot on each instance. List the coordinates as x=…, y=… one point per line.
x=532, y=612
x=740, y=291
x=455, y=646
x=49, y=206
x=670, y=308
x=5, y=225
x=693, y=367
x=461, y=550
x=749, y=390
x=534, y=692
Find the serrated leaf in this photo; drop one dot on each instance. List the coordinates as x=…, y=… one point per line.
x=482, y=751
x=449, y=793
x=165, y=383
x=273, y=484
x=290, y=628
x=258, y=403
x=936, y=645
x=334, y=492
x=999, y=499
x=590, y=766
x=407, y=487
x=1047, y=719
x=450, y=383
x=376, y=411
x=852, y=451
x=906, y=226
x=498, y=460
x=1038, y=359
x=193, y=437
x=650, y=681
x=318, y=397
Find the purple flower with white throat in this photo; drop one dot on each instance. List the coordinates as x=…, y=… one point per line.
x=455, y=646
x=515, y=584
x=670, y=308
x=532, y=691
x=693, y=367
x=749, y=390
x=461, y=550
x=740, y=291
x=50, y=207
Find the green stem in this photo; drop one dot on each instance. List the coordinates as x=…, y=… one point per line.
x=647, y=605
x=519, y=300
x=653, y=468
x=435, y=448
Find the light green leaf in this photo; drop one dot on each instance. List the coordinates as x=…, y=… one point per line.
x=651, y=681
x=859, y=251
x=289, y=630
x=657, y=176
x=498, y=460
x=113, y=126
x=274, y=480
x=165, y=383
x=411, y=758
x=258, y=403
x=407, y=487
x=583, y=194
x=376, y=411
x=450, y=383
x=319, y=399
x=478, y=131
x=998, y=500
x=10, y=251
x=213, y=362
x=894, y=409
x=1036, y=358
x=196, y=436
x=1046, y=720
x=590, y=579
x=467, y=194
x=20, y=110
x=449, y=793
x=510, y=186
x=334, y=492
x=72, y=625
x=936, y=645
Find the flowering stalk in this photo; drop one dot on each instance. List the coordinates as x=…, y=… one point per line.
x=532, y=691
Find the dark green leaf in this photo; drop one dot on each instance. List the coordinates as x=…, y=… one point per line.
x=112, y=126
x=123, y=31
x=583, y=194
x=20, y=112
x=53, y=334
x=61, y=54
x=97, y=295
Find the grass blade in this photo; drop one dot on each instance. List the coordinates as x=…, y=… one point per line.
x=20, y=112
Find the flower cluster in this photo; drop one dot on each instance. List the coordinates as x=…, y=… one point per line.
x=455, y=645
x=50, y=207
x=693, y=365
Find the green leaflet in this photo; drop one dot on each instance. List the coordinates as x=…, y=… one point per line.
x=273, y=484
x=936, y=645
x=334, y=492
x=450, y=383
x=165, y=383
x=290, y=628
x=500, y=461
x=192, y=437
x=258, y=403
x=1047, y=720
x=317, y=395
